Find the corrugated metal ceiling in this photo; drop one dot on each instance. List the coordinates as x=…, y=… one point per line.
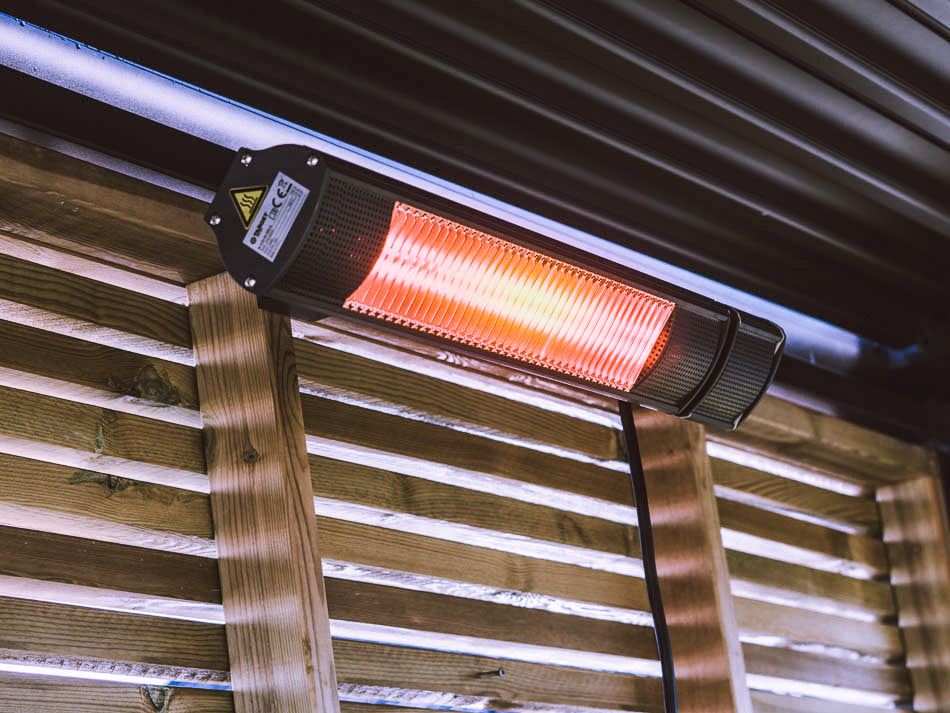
x=796, y=150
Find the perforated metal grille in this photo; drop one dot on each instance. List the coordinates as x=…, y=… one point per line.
x=743, y=378
x=691, y=347
x=342, y=243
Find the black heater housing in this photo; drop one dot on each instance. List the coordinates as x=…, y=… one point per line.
x=302, y=230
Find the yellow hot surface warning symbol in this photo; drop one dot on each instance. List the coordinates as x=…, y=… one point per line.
x=247, y=201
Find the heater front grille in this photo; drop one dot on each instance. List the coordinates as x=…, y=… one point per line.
x=743, y=378
x=342, y=243
x=692, y=345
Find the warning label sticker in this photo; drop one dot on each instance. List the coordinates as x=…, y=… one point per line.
x=246, y=202
x=275, y=216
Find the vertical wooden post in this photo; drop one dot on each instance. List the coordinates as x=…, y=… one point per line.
x=261, y=496
x=917, y=539
x=694, y=579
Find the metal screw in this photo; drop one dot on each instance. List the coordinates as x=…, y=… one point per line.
x=246, y=159
x=500, y=672
x=215, y=219
x=250, y=281
x=313, y=160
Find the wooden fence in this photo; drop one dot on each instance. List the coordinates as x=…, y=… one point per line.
x=475, y=525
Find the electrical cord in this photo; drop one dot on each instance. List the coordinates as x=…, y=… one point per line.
x=647, y=553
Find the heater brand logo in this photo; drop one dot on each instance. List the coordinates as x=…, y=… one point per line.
x=246, y=202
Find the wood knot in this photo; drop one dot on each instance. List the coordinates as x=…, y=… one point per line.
x=112, y=483
x=250, y=454
x=157, y=697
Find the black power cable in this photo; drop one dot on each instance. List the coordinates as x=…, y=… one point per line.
x=647, y=553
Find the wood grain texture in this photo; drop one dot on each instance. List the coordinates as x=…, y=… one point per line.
x=66, y=261
x=95, y=597
x=366, y=664
x=64, y=202
x=890, y=681
x=691, y=563
x=24, y=693
x=377, y=488
x=341, y=375
x=429, y=443
x=96, y=641
x=56, y=630
x=514, y=578
x=91, y=563
x=262, y=500
x=807, y=543
x=432, y=452
x=84, y=503
x=786, y=496
x=809, y=439
x=107, y=441
x=87, y=504
x=795, y=585
x=763, y=702
x=91, y=301
x=803, y=628
x=918, y=540
x=390, y=606
x=58, y=365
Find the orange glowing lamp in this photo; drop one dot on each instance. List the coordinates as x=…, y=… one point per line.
x=459, y=283
x=315, y=236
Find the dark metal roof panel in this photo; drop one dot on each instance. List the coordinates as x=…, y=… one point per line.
x=799, y=151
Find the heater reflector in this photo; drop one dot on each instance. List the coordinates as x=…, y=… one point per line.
x=461, y=284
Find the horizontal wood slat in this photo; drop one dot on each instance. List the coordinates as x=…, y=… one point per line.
x=37, y=353
x=91, y=563
x=428, y=443
x=763, y=702
x=94, y=302
x=341, y=375
x=366, y=664
x=83, y=436
x=857, y=555
x=807, y=628
x=808, y=439
x=51, y=631
x=67, y=261
x=20, y=693
x=800, y=586
x=786, y=496
x=57, y=630
x=390, y=606
x=84, y=503
x=381, y=386
x=58, y=200
x=893, y=681
x=377, y=488
x=48, y=632
x=393, y=551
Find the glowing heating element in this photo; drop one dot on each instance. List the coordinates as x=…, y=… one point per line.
x=461, y=284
